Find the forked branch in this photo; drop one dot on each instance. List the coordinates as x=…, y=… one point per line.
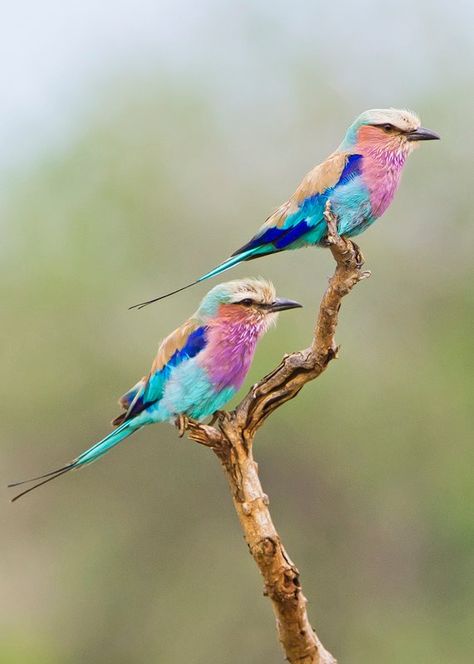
x=232, y=442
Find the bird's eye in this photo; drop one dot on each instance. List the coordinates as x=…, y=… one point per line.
x=388, y=127
x=247, y=302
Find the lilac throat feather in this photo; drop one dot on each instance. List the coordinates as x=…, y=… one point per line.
x=230, y=350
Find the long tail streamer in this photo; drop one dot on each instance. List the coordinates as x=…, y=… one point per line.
x=226, y=265
x=90, y=455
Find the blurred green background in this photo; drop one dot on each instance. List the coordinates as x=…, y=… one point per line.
x=142, y=142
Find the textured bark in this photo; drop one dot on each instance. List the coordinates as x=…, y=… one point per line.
x=232, y=441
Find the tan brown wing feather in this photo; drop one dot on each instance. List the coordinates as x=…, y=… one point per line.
x=316, y=181
x=173, y=342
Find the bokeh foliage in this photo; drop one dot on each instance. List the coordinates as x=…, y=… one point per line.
x=139, y=558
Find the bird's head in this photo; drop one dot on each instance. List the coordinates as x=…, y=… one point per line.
x=248, y=301
x=386, y=130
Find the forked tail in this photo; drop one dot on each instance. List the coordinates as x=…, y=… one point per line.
x=90, y=455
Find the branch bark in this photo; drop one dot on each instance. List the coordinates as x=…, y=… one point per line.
x=232, y=441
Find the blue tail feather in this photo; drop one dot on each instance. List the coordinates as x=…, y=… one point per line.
x=228, y=264
x=104, y=445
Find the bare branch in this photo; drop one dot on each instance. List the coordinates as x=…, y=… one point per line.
x=232, y=441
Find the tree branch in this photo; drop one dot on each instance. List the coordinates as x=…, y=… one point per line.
x=232, y=442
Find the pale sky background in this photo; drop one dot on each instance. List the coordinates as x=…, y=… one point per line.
x=54, y=54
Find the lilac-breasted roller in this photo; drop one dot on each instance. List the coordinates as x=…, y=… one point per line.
x=359, y=180
x=198, y=367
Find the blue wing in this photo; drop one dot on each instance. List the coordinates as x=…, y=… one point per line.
x=184, y=343
x=290, y=226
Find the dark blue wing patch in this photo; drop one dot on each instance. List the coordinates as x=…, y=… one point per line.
x=279, y=238
x=352, y=169
x=195, y=343
x=290, y=235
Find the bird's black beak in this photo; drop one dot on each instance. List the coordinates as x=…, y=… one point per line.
x=281, y=304
x=422, y=134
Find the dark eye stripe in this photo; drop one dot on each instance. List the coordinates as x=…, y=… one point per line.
x=390, y=127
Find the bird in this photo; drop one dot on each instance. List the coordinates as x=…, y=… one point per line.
x=358, y=181
x=198, y=368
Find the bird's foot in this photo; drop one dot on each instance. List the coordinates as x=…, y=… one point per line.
x=331, y=222
x=359, y=256
x=349, y=251
x=217, y=415
x=182, y=423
